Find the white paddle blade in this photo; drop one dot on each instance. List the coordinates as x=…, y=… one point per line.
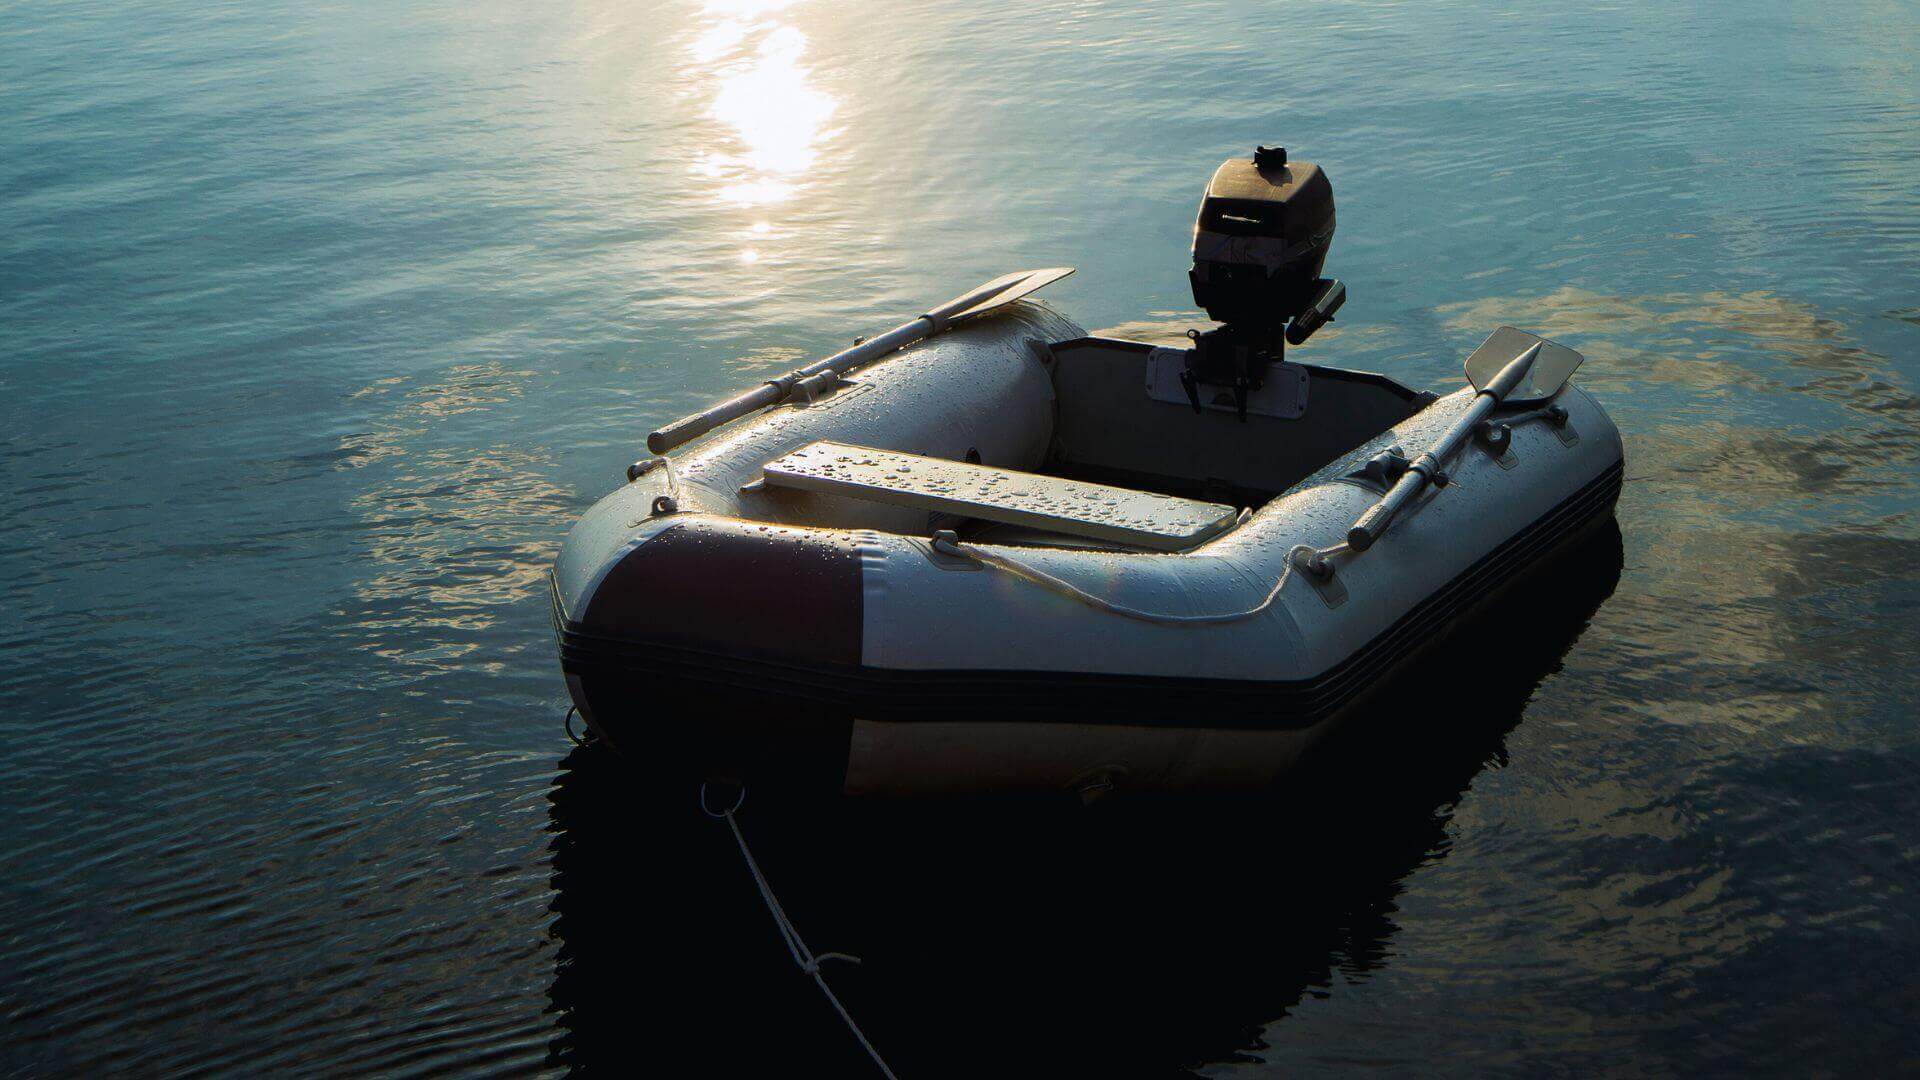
x=996, y=293
x=1550, y=371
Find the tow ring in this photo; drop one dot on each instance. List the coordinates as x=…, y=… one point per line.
x=582, y=741
x=740, y=796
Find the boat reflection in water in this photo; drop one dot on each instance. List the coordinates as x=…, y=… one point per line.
x=1145, y=934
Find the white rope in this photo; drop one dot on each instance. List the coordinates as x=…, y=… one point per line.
x=1011, y=565
x=673, y=477
x=802, y=956
x=670, y=501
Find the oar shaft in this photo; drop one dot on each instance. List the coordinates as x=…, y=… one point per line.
x=994, y=294
x=774, y=391
x=688, y=428
x=1381, y=514
x=871, y=349
x=1378, y=518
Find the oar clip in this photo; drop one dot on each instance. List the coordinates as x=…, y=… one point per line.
x=1511, y=367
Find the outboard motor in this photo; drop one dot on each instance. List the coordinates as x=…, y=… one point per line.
x=1258, y=245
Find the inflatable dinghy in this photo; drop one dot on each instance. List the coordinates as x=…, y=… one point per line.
x=986, y=551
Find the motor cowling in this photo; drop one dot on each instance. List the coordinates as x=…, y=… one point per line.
x=1260, y=240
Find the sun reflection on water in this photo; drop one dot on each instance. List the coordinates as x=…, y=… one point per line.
x=777, y=118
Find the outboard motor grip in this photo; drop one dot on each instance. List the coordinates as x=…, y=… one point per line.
x=1332, y=294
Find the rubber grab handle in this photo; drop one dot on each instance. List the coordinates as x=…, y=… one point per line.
x=1375, y=521
x=692, y=427
x=1368, y=528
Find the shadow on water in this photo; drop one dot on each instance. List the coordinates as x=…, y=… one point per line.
x=1140, y=936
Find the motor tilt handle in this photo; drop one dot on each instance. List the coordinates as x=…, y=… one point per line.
x=1426, y=469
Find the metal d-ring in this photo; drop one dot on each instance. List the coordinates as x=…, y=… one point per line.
x=728, y=812
x=1312, y=562
x=582, y=741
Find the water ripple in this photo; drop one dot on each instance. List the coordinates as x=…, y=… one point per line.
x=321, y=323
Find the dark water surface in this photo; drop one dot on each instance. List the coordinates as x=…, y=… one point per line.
x=319, y=323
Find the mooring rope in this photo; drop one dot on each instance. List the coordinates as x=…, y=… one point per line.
x=802, y=956
x=673, y=477
x=662, y=504
x=949, y=545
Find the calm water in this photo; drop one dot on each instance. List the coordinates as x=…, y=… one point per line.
x=320, y=322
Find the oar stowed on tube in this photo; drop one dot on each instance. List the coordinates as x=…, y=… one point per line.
x=823, y=373
x=1537, y=370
